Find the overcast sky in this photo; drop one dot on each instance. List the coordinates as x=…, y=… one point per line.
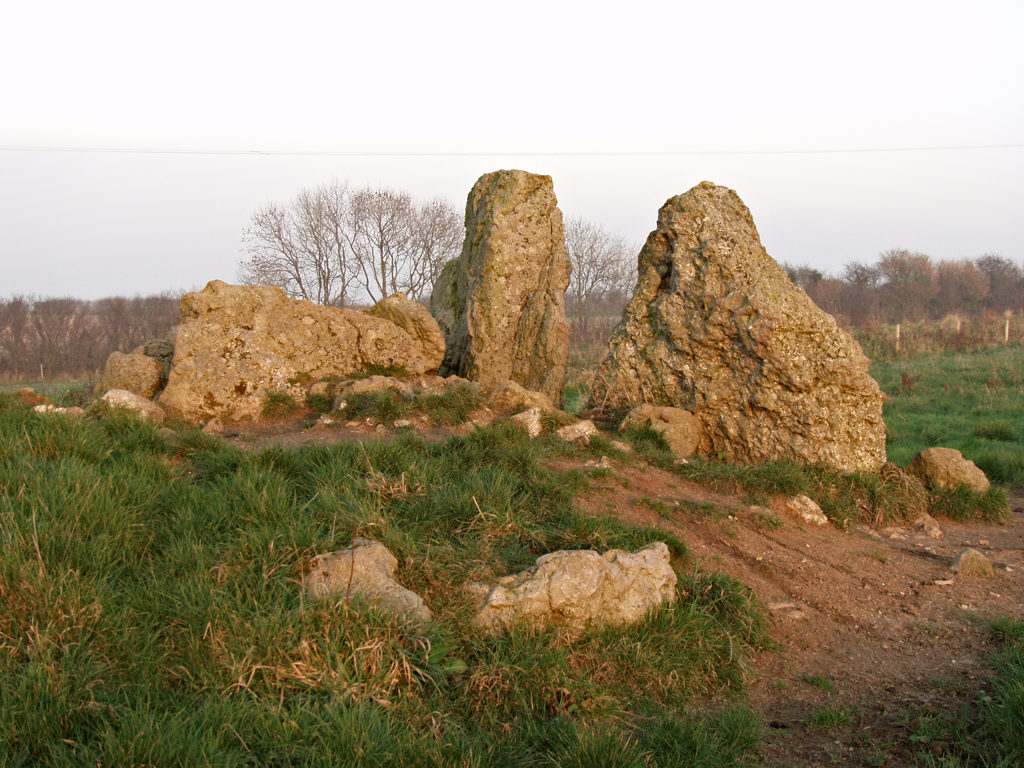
x=769, y=98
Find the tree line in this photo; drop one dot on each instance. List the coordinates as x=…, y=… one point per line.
x=43, y=338
x=908, y=286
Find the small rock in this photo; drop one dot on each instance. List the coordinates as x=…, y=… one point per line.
x=925, y=523
x=681, y=429
x=213, y=427
x=971, y=562
x=365, y=570
x=806, y=509
x=511, y=396
x=530, y=421
x=617, y=445
x=576, y=588
x=942, y=582
x=580, y=432
x=947, y=468
x=73, y=412
x=129, y=401
x=400, y=423
x=983, y=543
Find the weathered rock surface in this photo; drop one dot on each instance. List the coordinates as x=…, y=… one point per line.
x=237, y=343
x=366, y=571
x=414, y=318
x=74, y=412
x=511, y=396
x=501, y=304
x=129, y=401
x=806, y=509
x=576, y=588
x=580, y=431
x=681, y=429
x=926, y=524
x=530, y=421
x=971, y=562
x=716, y=327
x=160, y=350
x=947, y=468
x=134, y=372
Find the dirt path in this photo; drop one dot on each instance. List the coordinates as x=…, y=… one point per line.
x=871, y=625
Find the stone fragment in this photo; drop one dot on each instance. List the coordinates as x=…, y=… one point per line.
x=620, y=446
x=366, y=571
x=681, y=429
x=947, y=468
x=74, y=412
x=971, y=562
x=580, y=432
x=235, y=344
x=414, y=318
x=129, y=401
x=926, y=524
x=806, y=509
x=577, y=588
x=510, y=396
x=716, y=327
x=530, y=420
x=501, y=304
x=134, y=372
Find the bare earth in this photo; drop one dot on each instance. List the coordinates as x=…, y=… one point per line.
x=878, y=613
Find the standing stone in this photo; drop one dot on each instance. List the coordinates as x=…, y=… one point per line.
x=134, y=372
x=716, y=327
x=501, y=304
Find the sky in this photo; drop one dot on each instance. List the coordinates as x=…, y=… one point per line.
x=137, y=139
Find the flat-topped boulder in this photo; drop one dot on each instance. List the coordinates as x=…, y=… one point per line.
x=236, y=344
x=501, y=304
x=715, y=327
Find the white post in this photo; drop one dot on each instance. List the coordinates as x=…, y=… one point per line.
x=897, y=337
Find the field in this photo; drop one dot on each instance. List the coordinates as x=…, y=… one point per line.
x=151, y=611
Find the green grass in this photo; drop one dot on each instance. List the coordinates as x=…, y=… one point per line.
x=831, y=717
x=150, y=611
x=447, y=408
x=973, y=402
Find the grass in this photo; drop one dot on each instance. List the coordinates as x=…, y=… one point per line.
x=447, y=408
x=831, y=717
x=820, y=682
x=150, y=611
x=973, y=402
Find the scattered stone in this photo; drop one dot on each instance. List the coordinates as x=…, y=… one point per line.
x=681, y=429
x=530, y=420
x=806, y=509
x=236, y=344
x=134, y=372
x=365, y=570
x=717, y=328
x=616, y=445
x=983, y=542
x=73, y=412
x=414, y=318
x=213, y=427
x=129, y=401
x=580, y=432
x=971, y=562
x=947, y=468
x=501, y=304
x=577, y=588
x=510, y=396
x=925, y=523
x=401, y=423
x=943, y=582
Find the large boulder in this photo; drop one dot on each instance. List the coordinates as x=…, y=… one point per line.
x=365, y=571
x=580, y=587
x=133, y=372
x=947, y=468
x=413, y=318
x=716, y=327
x=501, y=304
x=235, y=344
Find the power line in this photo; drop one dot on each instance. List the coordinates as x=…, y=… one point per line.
x=412, y=153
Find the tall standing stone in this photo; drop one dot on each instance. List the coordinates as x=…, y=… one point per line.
x=501, y=304
x=716, y=327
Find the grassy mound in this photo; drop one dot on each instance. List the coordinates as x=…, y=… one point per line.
x=150, y=611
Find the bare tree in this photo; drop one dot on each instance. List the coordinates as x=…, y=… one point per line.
x=602, y=264
x=909, y=281
x=380, y=231
x=303, y=247
x=437, y=239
